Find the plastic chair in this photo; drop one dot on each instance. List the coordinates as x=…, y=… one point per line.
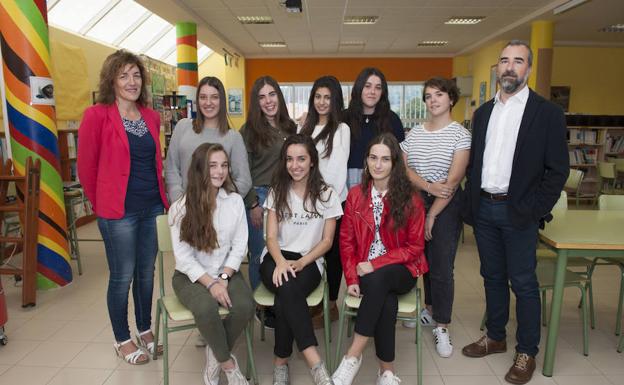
x=607, y=174
x=170, y=308
x=409, y=310
x=266, y=298
x=573, y=186
x=546, y=277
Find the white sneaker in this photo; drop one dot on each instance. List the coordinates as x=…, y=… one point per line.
x=200, y=342
x=281, y=375
x=387, y=378
x=426, y=319
x=347, y=370
x=442, y=340
x=235, y=376
x=212, y=369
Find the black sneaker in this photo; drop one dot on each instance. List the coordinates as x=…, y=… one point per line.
x=269, y=317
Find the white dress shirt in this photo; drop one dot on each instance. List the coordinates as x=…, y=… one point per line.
x=230, y=223
x=500, y=141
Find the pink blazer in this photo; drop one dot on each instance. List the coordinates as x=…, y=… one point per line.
x=104, y=158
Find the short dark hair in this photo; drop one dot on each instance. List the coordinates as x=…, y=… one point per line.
x=445, y=85
x=516, y=42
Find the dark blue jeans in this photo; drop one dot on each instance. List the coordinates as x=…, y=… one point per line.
x=256, y=241
x=508, y=256
x=131, y=248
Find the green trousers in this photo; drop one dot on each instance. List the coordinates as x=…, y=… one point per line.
x=220, y=334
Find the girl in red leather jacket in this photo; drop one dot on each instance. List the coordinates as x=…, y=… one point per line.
x=381, y=247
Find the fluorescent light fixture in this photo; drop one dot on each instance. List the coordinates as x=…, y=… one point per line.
x=464, y=20
x=360, y=20
x=432, y=43
x=272, y=44
x=613, y=28
x=352, y=43
x=568, y=6
x=255, y=19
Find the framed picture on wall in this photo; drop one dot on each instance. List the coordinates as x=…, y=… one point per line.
x=482, y=90
x=235, y=101
x=493, y=82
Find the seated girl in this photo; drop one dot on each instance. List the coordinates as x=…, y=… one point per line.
x=209, y=236
x=302, y=212
x=381, y=247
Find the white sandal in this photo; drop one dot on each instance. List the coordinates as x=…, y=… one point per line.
x=137, y=357
x=149, y=346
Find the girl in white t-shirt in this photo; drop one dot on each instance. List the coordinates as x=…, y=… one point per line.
x=302, y=212
x=332, y=138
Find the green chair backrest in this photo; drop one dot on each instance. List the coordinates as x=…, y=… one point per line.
x=619, y=163
x=611, y=202
x=562, y=203
x=574, y=179
x=606, y=170
x=164, y=234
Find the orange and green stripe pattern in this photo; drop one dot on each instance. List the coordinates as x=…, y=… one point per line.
x=186, y=48
x=31, y=129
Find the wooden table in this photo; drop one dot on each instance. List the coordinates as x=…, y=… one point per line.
x=578, y=233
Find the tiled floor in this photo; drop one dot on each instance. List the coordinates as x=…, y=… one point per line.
x=66, y=339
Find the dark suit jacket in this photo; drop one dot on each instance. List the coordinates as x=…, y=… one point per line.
x=540, y=163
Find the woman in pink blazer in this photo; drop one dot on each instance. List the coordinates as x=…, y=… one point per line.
x=120, y=169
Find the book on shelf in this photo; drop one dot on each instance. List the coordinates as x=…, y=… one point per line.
x=578, y=136
x=583, y=156
x=615, y=143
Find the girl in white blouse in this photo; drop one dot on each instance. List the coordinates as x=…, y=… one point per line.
x=209, y=236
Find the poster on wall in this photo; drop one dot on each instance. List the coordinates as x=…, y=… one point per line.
x=235, y=101
x=493, y=81
x=482, y=90
x=41, y=91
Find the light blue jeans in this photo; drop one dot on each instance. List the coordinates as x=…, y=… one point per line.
x=256, y=241
x=131, y=248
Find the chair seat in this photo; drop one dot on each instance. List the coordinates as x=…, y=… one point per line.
x=178, y=312
x=407, y=303
x=546, y=276
x=264, y=297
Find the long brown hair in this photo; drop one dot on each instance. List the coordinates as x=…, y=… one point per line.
x=259, y=133
x=282, y=181
x=198, y=122
x=196, y=227
x=354, y=114
x=111, y=68
x=400, y=189
x=333, y=120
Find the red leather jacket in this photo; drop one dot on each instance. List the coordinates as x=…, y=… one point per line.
x=357, y=231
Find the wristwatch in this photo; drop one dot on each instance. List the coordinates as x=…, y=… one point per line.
x=224, y=276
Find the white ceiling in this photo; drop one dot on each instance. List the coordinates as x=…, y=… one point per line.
x=402, y=24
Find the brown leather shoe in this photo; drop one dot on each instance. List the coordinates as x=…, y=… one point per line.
x=522, y=369
x=483, y=347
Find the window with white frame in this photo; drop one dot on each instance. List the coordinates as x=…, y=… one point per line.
x=405, y=100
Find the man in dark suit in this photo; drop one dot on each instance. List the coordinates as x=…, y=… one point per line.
x=517, y=169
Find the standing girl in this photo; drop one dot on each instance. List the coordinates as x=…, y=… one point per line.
x=120, y=168
x=210, y=126
x=381, y=246
x=436, y=154
x=267, y=127
x=368, y=115
x=209, y=236
x=300, y=229
x=332, y=139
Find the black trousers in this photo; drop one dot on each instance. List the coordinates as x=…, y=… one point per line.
x=439, y=282
x=377, y=314
x=333, y=263
x=292, y=315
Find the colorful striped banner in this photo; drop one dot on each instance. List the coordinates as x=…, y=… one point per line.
x=30, y=126
x=186, y=48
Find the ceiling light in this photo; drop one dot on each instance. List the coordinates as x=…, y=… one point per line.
x=568, y=6
x=613, y=28
x=432, y=43
x=255, y=19
x=351, y=43
x=360, y=19
x=464, y=20
x=272, y=44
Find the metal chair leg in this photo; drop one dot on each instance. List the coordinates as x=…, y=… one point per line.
x=341, y=320
x=251, y=362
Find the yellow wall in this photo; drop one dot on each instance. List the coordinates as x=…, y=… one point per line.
x=595, y=77
x=231, y=76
